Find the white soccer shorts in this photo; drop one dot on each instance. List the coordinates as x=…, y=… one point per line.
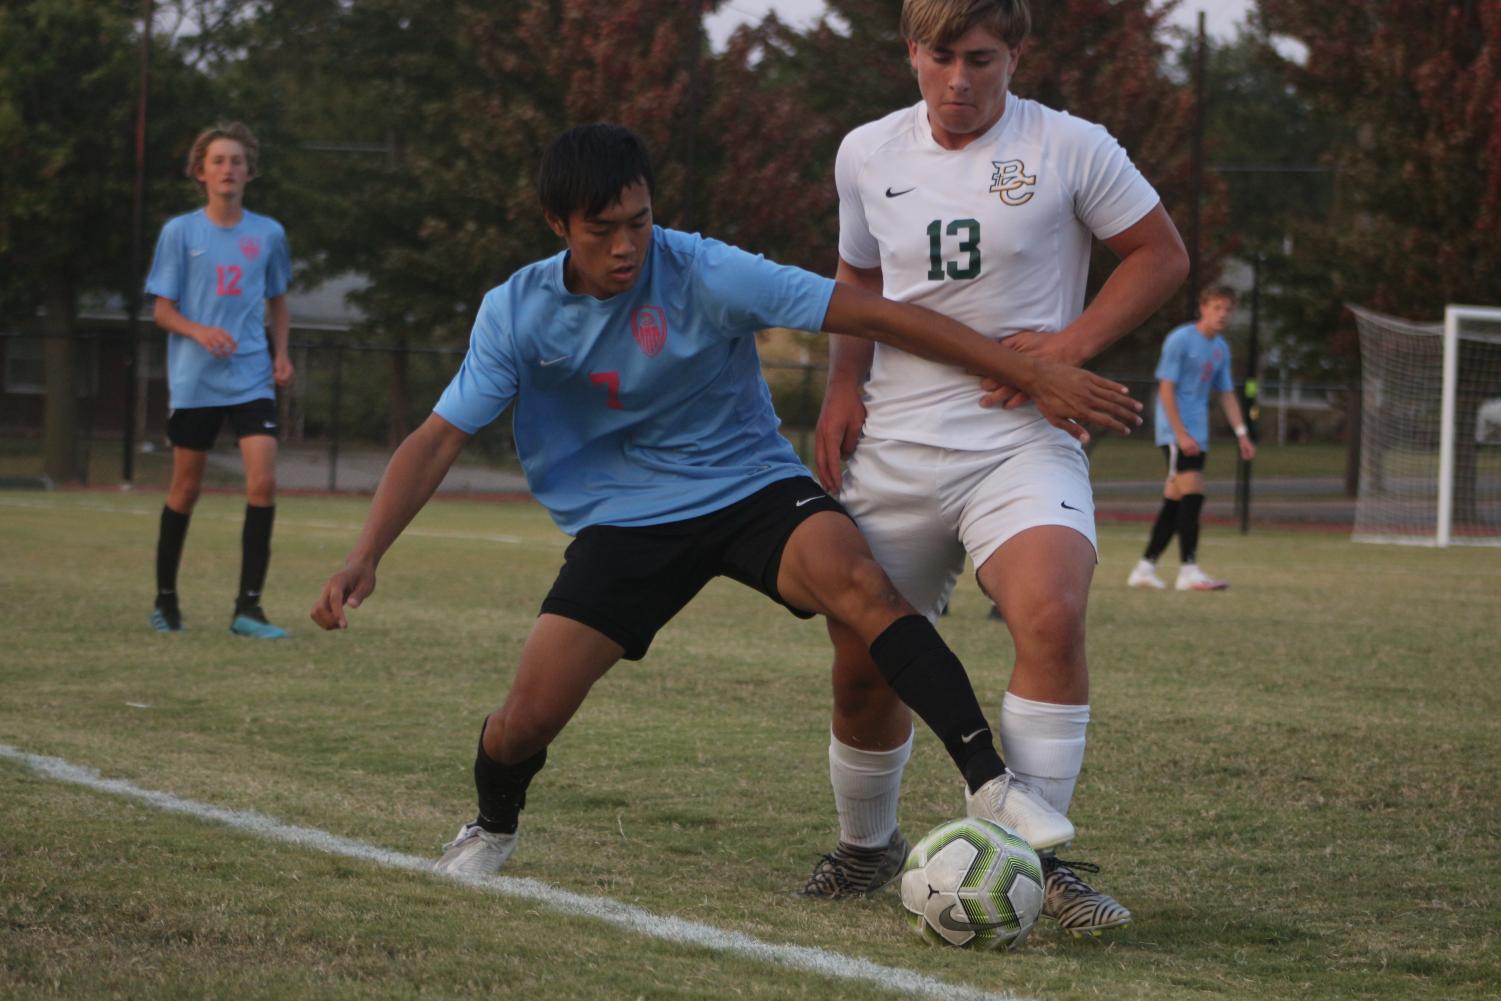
x=923, y=508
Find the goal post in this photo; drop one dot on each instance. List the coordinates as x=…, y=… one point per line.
x=1430, y=471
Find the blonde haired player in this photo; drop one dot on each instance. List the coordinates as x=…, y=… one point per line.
x=982, y=206
x=219, y=275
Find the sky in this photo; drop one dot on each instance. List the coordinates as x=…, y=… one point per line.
x=1221, y=16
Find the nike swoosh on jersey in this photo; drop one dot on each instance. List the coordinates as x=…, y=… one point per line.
x=898, y=194
x=1070, y=507
x=808, y=500
x=198, y=253
x=549, y=362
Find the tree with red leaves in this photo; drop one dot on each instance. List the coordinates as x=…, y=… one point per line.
x=1416, y=85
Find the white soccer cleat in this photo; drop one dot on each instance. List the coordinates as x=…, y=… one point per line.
x=475, y=852
x=1144, y=575
x=1012, y=803
x=1191, y=578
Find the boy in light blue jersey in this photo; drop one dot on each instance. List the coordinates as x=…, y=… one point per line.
x=1195, y=365
x=216, y=274
x=647, y=431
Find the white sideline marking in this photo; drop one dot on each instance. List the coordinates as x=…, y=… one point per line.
x=625, y=916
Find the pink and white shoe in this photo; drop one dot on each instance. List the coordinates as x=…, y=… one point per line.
x=1191, y=578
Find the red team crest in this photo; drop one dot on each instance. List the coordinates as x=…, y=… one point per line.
x=250, y=247
x=649, y=327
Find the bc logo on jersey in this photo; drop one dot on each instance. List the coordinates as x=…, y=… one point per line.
x=649, y=327
x=250, y=247
x=1008, y=180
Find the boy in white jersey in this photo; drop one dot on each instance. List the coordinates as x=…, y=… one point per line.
x=645, y=428
x=982, y=206
x=1194, y=366
x=217, y=274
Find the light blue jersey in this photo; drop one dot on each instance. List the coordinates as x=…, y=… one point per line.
x=1198, y=367
x=220, y=277
x=646, y=407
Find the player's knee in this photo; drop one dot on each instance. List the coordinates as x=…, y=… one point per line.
x=866, y=585
x=524, y=732
x=1054, y=624
x=261, y=490
x=181, y=496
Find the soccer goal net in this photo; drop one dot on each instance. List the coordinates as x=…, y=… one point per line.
x=1430, y=447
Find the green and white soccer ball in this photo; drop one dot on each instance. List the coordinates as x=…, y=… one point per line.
x=973, y=883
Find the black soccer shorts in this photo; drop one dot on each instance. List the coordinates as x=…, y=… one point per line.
x=1177, y=462
x=198, y=427
x=628, y=582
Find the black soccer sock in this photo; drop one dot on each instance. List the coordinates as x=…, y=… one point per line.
x=255, y=554
x=169, y=539
x=926, y=675
x=1162, y=530
x=502, y=788
x=1188, y=527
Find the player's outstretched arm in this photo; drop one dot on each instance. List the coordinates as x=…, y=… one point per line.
x=415, y=470
x=1064, y=394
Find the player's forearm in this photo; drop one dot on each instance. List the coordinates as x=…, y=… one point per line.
x=166, y=315
x=416, y=469
x=1167, y=395
x=1231, y=406
x=849, y=360
x=1142, y=281
x=281, y=324
x=927, y=334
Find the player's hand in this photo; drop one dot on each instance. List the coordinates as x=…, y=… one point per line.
x=1031, y=342
x=1070, y=397
x=1187, y=445
x=837, y=433
x=1247, y=448
x=282, y=371
x=216, y=341
x=349, y=586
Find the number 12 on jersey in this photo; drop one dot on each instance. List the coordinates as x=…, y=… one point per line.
x=968, y=231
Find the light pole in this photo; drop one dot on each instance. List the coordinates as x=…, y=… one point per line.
x=133, y=289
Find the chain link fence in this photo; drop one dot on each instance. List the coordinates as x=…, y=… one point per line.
x=351, y=403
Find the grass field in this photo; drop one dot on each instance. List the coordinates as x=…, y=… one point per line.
x=1293, y=784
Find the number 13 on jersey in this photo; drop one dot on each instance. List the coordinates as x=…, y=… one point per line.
x=968, y=248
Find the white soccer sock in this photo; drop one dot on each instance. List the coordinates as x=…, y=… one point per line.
x=867, y=785
x=1043, y=744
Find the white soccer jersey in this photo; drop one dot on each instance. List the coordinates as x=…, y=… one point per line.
x=996, y=235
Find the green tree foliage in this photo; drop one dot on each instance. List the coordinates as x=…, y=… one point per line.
x=68, y=85
x=1415, y=86
x=1265, y=143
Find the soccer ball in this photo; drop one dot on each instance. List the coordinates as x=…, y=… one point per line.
x=974, y=884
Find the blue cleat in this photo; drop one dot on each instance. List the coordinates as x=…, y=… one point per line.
x=252, y=622
x=166, y=617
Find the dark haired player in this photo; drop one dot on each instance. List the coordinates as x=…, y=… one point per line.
x=646, y=430
x=216, y=274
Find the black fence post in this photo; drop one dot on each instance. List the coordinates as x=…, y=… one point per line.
x=335, y=419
